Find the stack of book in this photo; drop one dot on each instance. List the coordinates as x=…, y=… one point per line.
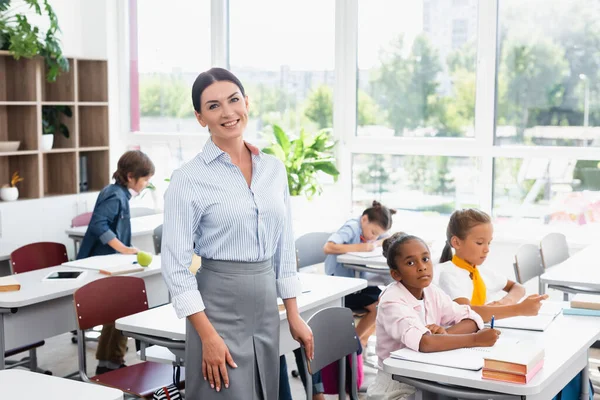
x=584, y=304
x=9, y=284
x=516, y=364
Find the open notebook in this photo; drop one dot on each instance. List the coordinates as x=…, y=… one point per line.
x=377, y=252
x=469, y=358
x=540, y=322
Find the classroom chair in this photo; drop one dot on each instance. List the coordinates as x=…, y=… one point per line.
x=157, y=238
x=104, y=301
x=36, y=256
x=528, y=263
x=309, y=249
x=333, y=345
x=554, y=250
x=135, y=212
x=27, y=258
x=80, y=220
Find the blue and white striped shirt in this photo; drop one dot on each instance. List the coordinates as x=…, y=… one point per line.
x=210, y=209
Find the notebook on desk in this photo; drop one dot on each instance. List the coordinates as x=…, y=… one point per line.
x=536, y=323
x=102, y=262
x=470, y=358
x=367, y=254
x=121, y=269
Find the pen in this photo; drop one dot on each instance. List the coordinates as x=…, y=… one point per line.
x=492, y=323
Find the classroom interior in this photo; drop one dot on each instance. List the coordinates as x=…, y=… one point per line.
x=427, y=106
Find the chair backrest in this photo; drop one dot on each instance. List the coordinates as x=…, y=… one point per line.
x=81, y=220
x=37, y=256
x=528, y=263
x=554, y=249
x=309, y=248
x=334, y=344
x=157, y=238
x=105, y=300
x=140, y=212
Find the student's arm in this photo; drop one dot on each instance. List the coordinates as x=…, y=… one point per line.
x=104, y=215
x=461, y=318
x=464, y=326
x=432, y=343
x=514, y=292
x=530, y=306
x=334, y=248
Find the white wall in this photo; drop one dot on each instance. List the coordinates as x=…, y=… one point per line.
x=89, y=30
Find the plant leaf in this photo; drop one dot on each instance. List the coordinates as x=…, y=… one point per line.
x=282, y=138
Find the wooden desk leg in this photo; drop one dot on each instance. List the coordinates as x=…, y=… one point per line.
x=585, y=380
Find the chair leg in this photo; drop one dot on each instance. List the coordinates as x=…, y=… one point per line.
x=33, y=365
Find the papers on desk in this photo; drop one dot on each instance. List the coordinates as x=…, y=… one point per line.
x=121, y=269
x=548, y=312
x=469, y=358
x=377, y=252
x=102, y=262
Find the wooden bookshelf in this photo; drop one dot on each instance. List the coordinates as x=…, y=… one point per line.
x=24, y=92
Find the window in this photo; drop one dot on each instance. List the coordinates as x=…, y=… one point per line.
x=416, y=68
x=548, y=89
x=170, y=46
x=283, y=52
x=548, y=189
x=415, y=183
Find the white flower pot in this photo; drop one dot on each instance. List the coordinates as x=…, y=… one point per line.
x=47, y=142
x=9, y=193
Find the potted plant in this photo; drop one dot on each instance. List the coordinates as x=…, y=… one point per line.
x=11, y=192
x=52, y=124
x=22, y=39
x=304, y=157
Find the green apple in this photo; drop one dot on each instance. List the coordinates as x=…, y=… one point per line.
x=143, y=258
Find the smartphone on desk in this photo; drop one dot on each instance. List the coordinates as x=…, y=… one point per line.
x=63, y=275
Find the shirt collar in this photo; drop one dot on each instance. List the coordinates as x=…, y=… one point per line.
x=409, y=298
x=126, y=190
x=211, y=151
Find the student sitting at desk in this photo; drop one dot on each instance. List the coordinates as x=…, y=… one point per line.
x=466, y=281
x=109, y=232
x=412, y=313
x=359, y=234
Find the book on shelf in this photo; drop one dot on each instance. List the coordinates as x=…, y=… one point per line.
x=9, y=284
x=504, y=376
x=588, y=301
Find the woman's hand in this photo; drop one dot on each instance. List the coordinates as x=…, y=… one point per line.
x=129, y=250
x=214, y=356
x=436, y=329
x=302, y=334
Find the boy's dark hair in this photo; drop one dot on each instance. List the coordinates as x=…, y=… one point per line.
x=134, y=163
x=459, y=225
x=207, y=78
x=392, y=246
x=380, y=215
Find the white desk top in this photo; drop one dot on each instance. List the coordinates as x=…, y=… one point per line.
x=162, y=321
x=563, y=341
x=374, y=262
x=140, y=226
x=21, y=384
x=581, y=269
x=97, y=263
x=35, y=290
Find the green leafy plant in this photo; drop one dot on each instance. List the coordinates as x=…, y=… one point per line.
x=303, y=157
x=22, y=39
x=51, y=123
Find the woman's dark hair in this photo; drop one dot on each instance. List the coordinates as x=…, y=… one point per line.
x=461, y=222
x=133, y=162
x=392, y=246
x=209, y=77
x=380, y=215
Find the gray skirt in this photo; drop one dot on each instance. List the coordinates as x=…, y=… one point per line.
x=241, y=303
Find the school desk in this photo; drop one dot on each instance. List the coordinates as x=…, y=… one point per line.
x=320, y=291
x=43, y=309
x=376, y=265
x=582, y=269
x=21, y=384
x=142, y=229
x=566, y=342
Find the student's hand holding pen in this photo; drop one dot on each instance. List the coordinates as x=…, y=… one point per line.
x=486, y=337
x=369, y=246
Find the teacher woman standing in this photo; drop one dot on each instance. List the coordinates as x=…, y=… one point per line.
x=230, y=206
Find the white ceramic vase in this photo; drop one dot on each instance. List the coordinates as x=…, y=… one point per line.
x=47, y=142
x=9, y=193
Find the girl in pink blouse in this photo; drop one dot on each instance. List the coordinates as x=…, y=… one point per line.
x=415, y=314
